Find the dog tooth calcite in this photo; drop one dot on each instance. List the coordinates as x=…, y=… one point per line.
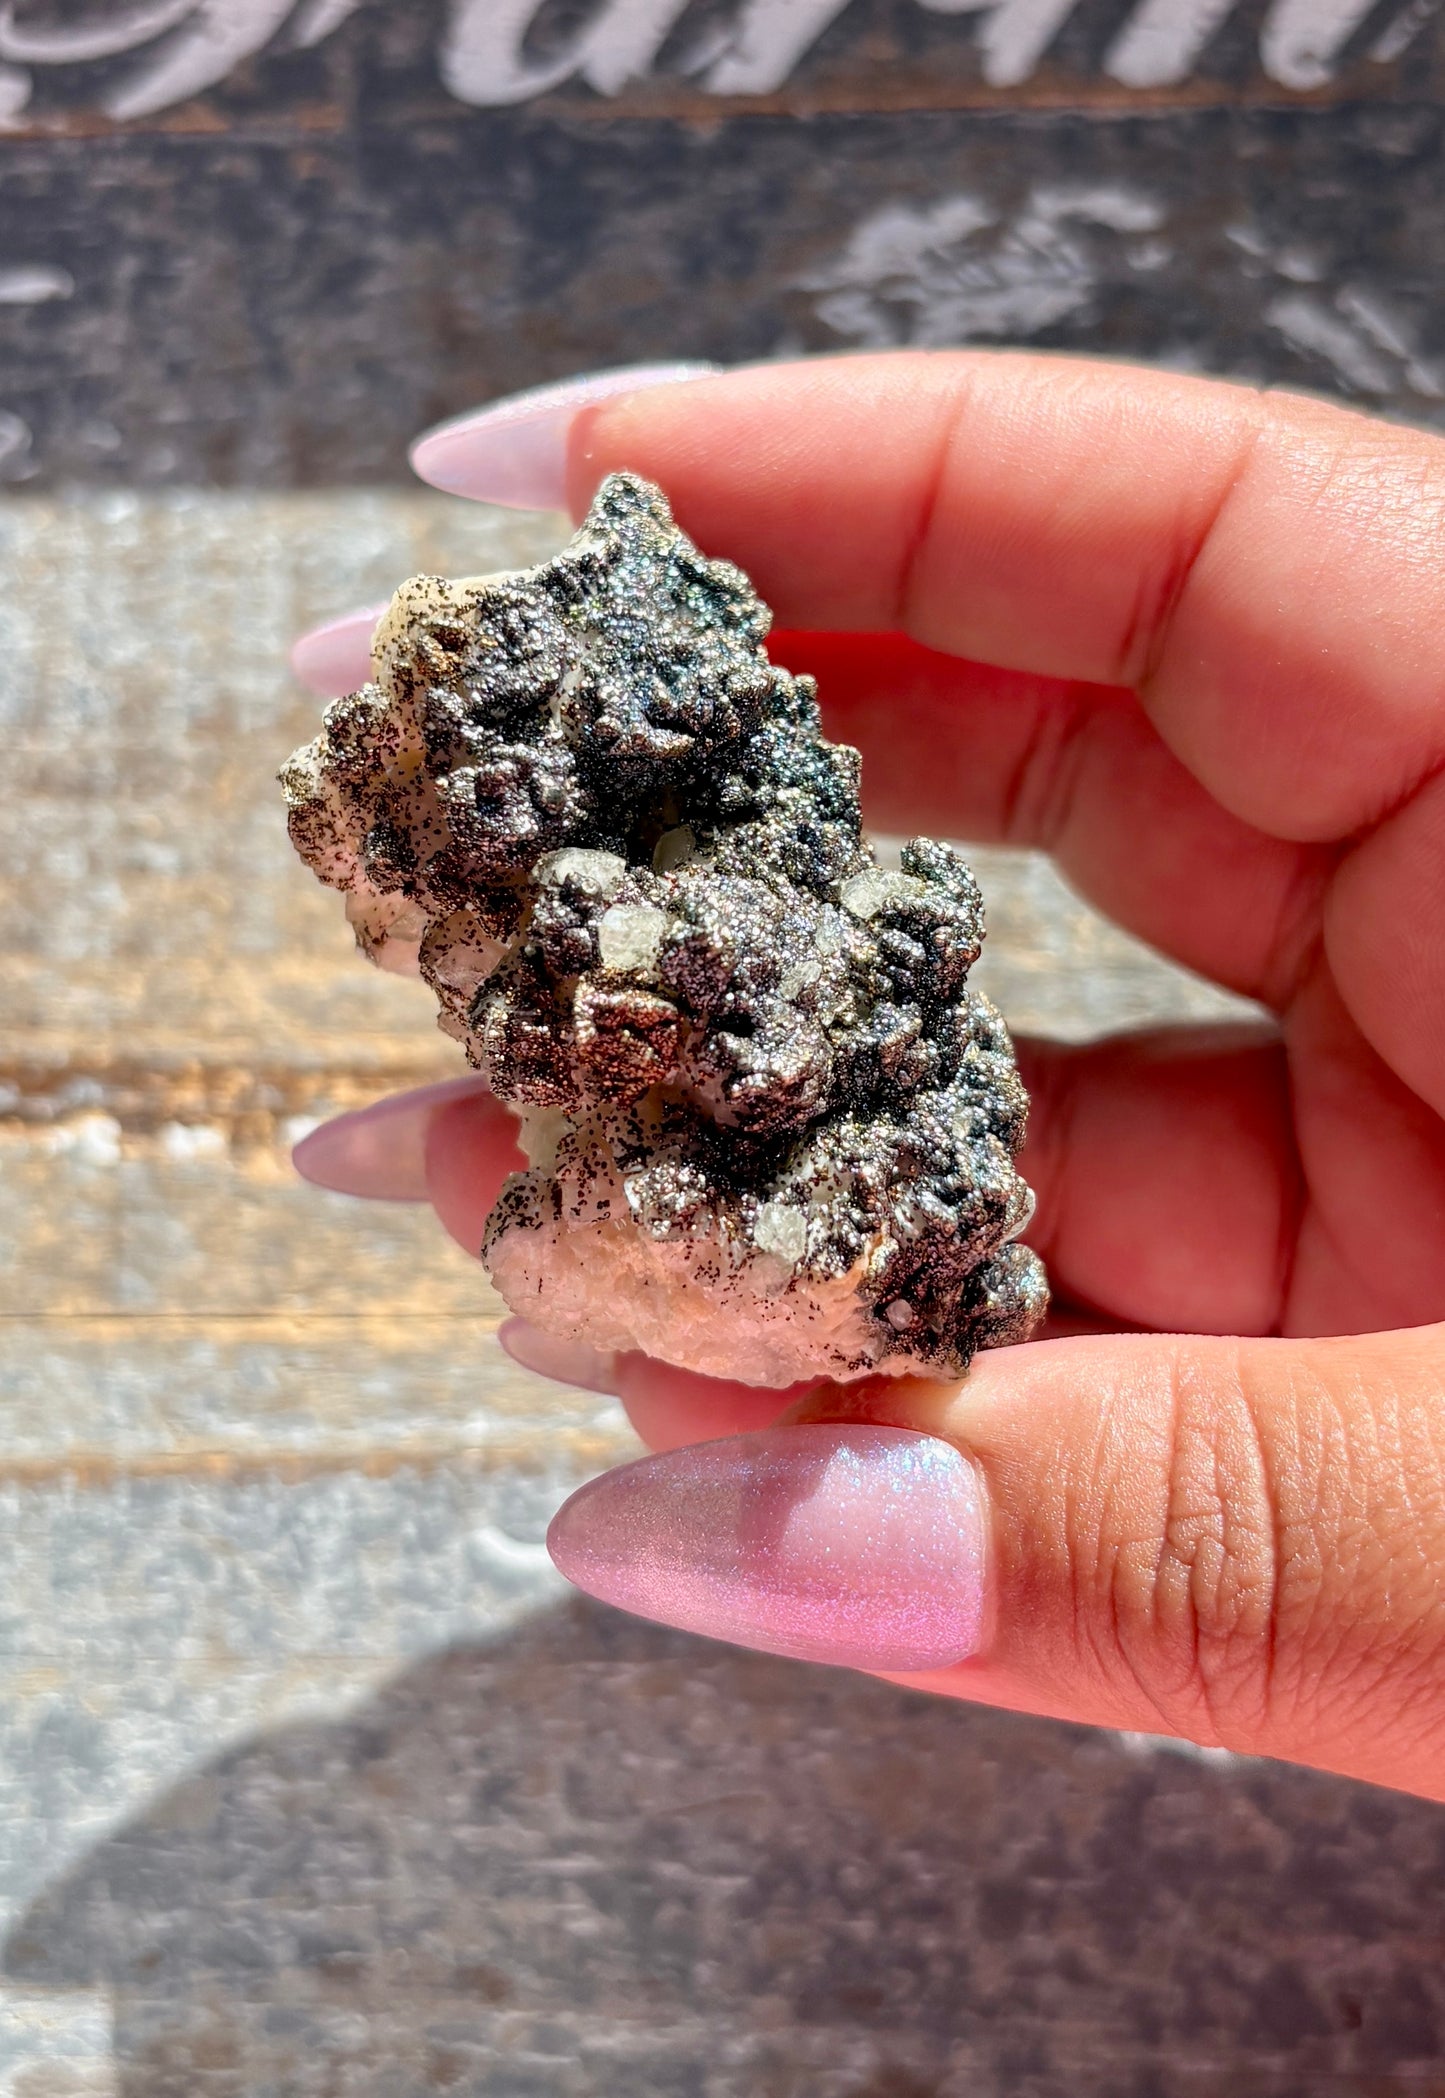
x=771, y=1129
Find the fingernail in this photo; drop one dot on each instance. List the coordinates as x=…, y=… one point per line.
x=379, y=1151
x=514, y=451
x=860, y=1546
x=337, y=657
x=564, y=1361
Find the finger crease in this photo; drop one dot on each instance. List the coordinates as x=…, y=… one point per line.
x=1295, y=947
x=1053, y=1081
x=916, y=542
x=1039, y=794
x=1145, y=641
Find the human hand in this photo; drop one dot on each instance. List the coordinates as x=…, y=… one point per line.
x=1215, y=618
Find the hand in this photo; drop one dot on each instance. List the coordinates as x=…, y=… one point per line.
x=1218, y=621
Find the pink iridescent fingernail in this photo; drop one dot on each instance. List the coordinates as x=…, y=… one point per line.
x=379, y=1151
x=564, y=1361
x=336, y=658
x=861, y=1546
x=514, y=451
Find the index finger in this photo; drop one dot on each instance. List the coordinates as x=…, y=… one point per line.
x=1264, y=570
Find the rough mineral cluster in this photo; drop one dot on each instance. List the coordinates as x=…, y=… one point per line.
x=771, y=1129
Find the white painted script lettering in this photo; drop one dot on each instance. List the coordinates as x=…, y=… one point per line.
x=182, y=47
x=767, y=43
x=482, y=58
x=1160, y=42
x=962, y=271
x=1014, y=34
x=216, y=37
x=965, y=270
x=1302, y=38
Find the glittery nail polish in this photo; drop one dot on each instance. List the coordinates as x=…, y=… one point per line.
x=857, y=1545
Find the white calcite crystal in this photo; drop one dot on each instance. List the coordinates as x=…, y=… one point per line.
x=771, y=1130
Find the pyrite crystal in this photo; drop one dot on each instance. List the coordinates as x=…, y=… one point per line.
x=771, y=1129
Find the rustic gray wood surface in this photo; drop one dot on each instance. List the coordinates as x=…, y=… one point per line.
x=313, y=1782
x=267, y=247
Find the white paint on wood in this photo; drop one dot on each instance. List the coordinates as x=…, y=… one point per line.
x=959, y=271
x=217, y=35
x=1359, y=338
x=769, y=39
x=106, y=36
x=484, y=62
x=1302, y=39
x=1015, y=36
x=34, y=284
x=1396, y=38
x=185, y=46
x=315, y=20
x=1161, y=41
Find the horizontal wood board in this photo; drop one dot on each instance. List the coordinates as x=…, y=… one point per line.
x=311, y=1780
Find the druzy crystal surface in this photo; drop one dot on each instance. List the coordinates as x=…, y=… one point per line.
x=771, y=1129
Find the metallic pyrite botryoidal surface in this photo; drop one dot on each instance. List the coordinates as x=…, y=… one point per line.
x=771, y=1129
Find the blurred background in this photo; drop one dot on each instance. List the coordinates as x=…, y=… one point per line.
x=312, y=1780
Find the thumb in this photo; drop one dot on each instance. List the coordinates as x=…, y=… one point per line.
x=1241, y=1543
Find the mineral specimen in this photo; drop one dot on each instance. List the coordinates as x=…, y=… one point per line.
x=771, y=1129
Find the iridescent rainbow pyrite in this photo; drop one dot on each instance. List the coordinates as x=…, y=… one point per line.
x=771, y=1130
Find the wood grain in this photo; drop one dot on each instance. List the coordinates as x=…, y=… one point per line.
x=288, y=310
x=308, y=1782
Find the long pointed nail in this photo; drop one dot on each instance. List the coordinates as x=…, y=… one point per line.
x=564, y=1361
x=861, y=1546
x=379, y=1151
x=514, y=452
x=337, y=657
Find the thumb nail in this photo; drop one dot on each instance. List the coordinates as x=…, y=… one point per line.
x=857, y=1545
x=514, y=451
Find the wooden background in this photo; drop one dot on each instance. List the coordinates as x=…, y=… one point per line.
x=311, y=1779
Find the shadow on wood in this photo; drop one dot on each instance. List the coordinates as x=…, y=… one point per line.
x=598, y=1858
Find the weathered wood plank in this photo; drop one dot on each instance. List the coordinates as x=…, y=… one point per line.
x=306, y=1782
x=291, y=312
x=589, y=1858
x=245, y=64
x=261, y=1460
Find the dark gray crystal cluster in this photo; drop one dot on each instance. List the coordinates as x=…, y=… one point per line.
x=771, y=1129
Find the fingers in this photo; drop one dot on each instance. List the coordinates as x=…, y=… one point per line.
x=1185, y=1179
x=1238, y=1543
x=992, y=754
x=471, y=1147
x=1385, y=940
x=1163, y=1165
x=1372, y=1156
x=563, y=1361
x=1168, y=1170
x=1263, y=570
x=514, y=452
x=1080, y=771
x=668, y=1407
x=1166, y=1177
x=450, y=1144
x=379, y=1152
